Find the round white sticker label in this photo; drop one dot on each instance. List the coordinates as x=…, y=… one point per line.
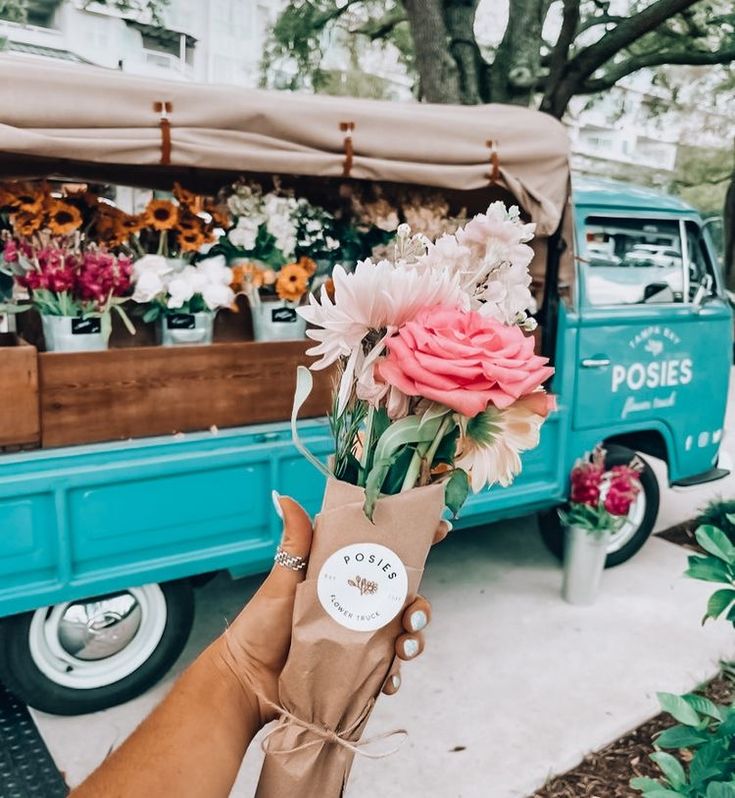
x=363, y=586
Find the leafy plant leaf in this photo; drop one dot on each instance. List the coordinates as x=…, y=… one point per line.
x=678, y=708
x=703, y=705
x=707, y=763
x=716, y=542
x=718, y=602
x=456, y=491
x=644, y=784
x=681, y=737
x=708, y=569
x=671, y=768
x=718, y=789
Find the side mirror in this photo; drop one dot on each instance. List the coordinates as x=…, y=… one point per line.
x=704, y=290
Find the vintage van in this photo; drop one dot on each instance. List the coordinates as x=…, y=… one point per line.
x=100, y=544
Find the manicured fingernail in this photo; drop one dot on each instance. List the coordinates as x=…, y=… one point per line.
x=410, y=648
x=395, y=681
x=418, y=620
x=276, y=496
x=450, y=526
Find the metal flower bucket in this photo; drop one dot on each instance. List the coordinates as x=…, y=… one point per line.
x=584, y=561
x=186, y=329
x=277, y=321
x=73, y=333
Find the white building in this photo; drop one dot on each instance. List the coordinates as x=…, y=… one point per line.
x=210, y=41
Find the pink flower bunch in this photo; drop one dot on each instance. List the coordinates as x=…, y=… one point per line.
x=92, y=275
x=466, y=361
x=623, y=488
x=587, y=483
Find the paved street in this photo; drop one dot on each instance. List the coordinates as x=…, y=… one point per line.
x=515, y=684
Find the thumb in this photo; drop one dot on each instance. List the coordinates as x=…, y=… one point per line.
x=296, y=540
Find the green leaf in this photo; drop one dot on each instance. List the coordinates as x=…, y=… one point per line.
x=457, y=490
x=644, y=784
x=718, y=602
x=703, y=705
x=374, y=482
x=718, y=789
x=447, y=449
x=681, y=737
x=671, y=768
x=394, y=481
x=678, y=708
x=716, y=542
x=707, y=762
x=406, y=431
x=708, y=569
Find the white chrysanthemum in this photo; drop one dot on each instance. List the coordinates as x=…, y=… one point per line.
x=493, y=441
x=376, y=297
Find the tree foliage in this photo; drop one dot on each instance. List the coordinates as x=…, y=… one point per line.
x=552, y=49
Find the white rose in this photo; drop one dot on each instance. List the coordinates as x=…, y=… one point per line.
x=217, y=295
x=216, y=270
x=180, y=290
x=244, y=233
x=150, y=264
x=147, y=287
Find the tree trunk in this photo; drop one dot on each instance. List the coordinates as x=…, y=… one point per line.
x=517, y=65
x=438, y=71
x=459, y=16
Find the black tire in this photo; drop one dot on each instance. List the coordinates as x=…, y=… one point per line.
x=552, y=532
x=21, y=675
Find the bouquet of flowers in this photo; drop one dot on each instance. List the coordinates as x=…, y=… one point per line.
x=166, y=287
x=600, y=499
x=52, y=261
x=290, y=283
x=440, y=392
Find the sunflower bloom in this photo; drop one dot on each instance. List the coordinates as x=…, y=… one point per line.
x=292, y=282
x=26, y=197
x=191, y=240
x=63, y=218
x=26, y=224
x=185, y=197
x=161, y=215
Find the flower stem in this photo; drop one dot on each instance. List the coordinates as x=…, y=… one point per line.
x=368, y=437
x=424, y=453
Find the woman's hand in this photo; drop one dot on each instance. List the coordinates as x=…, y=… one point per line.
x=256, y=645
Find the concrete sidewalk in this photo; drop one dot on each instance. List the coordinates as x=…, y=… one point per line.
x=515, y=684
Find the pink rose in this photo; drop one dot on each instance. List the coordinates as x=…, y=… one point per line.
x=465, y=361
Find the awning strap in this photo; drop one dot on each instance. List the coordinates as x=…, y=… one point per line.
x=494, y=174
x=347, y=128
x=164, y=108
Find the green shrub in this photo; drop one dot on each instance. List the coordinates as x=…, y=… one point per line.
x=719, y=513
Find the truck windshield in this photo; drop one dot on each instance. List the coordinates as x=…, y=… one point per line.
x=632, y=261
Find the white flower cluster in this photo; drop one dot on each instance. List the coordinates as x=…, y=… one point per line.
x=174, y=284
x=491, y=256
x=252, y=209
x=314, y=228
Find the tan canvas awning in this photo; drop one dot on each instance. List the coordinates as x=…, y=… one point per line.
x=87, y=115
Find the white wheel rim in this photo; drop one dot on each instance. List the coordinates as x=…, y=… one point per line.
x=110, y=650
x=632, y=524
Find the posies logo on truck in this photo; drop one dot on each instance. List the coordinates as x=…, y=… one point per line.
x=655, y=372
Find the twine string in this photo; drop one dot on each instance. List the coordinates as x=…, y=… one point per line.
x=323, y=734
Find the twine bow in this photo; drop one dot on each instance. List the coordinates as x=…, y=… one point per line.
x=323, y=734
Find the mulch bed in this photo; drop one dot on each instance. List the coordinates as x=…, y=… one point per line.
x=682, y=534
x=607, y=773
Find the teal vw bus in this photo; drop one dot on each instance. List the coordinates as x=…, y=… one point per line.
x=101, y=544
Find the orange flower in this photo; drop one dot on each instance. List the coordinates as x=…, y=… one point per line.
x=188, y=222
x=191, y=240
x=246, y=275
x=329, y=288
x=161, y=215
x=129, y=224
x=26, y=197
x=63, y=218
x=187, y=198
x=308, y=265
x=26, y=224
x=292, y=282
x=220, y=215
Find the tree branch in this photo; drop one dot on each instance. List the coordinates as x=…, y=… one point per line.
x=560, y=51
x=600, y=19
x=661, y=58
x=380, y=28
x=591, y=58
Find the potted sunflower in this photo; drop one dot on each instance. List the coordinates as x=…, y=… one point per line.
x=73, y=282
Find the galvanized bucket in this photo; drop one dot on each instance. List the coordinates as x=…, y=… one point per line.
x=277, y=321
x=186, y=329
x=73, y=333
x=584, y=561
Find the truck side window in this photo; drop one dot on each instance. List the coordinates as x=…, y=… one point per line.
x=632, y=261
x=700, y=262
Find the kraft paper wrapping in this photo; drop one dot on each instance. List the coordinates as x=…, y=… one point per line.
x=333, y=674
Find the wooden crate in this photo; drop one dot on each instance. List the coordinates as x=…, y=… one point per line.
x=19, y=413
x=137, y=392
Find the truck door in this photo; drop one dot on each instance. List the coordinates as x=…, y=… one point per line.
x=655, y=336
